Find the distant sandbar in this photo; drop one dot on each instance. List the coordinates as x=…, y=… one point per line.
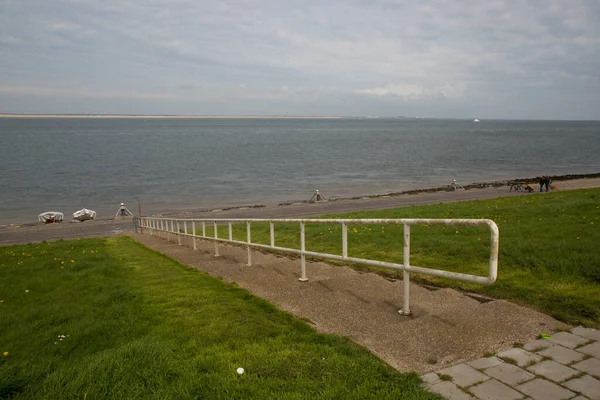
x=165, y=116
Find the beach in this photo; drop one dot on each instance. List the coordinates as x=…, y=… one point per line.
x=36, y=232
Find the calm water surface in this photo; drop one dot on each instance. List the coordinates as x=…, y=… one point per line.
x=66, y=164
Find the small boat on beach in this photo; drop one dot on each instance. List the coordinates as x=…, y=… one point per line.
x=50, y=217
x=475, y=120
x=84, y=215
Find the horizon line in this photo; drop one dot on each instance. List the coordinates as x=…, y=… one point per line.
x=264, y=116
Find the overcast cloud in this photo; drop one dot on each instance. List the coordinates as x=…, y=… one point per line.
x=437, y=58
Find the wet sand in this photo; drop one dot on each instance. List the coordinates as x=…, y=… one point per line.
x=34, y=233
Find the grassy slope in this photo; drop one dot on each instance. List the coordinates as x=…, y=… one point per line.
x=549, y=243
x=139, y=325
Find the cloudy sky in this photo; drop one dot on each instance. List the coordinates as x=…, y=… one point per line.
x=435, y=58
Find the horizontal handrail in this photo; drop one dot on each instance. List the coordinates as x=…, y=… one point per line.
x=173, y=226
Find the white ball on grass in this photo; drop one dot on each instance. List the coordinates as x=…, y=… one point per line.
x=240, y=370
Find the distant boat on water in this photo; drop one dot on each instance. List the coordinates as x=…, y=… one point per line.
x=475, y=120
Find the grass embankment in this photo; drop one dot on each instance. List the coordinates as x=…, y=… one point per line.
x=110, y=319
x=549, y=257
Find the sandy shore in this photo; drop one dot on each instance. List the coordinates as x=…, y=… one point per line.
x=31, y=233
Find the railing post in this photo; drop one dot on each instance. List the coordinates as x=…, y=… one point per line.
x=248, y=240
x=344, y=240
x=230, y=232
x=194, y=233
x=216, y=237
x=303, y=277
x=203, y=229
x=406, y=275
x=162, y=226
x=185, y=227
x=272, y=233
x=178, y=234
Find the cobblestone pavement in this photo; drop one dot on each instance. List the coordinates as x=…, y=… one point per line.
x=564, y=366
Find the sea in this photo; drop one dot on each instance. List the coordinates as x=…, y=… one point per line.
x=178, y=164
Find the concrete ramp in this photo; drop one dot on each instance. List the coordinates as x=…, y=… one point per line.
x=447, y=327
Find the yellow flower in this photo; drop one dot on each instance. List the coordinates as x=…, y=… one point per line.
x=5, y=354
x=26, y=290
x=72, y=261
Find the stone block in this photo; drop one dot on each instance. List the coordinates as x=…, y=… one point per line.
x=567, y=339
x=591, y=349
x=562, y=354
x=494, y=390
x=586, y=385
x=431, y=378
x=521, y=357
x=591, y=366
x=449, y=390
x=463, y=375
x=588, y=333
x=509, y=373
x=553, y=371
x=486, y=362
x=541, y=389
x=537, y=345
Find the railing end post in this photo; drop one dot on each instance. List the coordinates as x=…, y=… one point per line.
x=303, y=279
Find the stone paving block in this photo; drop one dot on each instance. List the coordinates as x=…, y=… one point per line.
x=539, y=344
x=562, y=354
x=586, y=385
x=522, y=357
x=431, y=378
x=463, y=375
x=591, y=349
x=553, y=371
x=494, y=390
x=588, y=333
x=509, y=373
x=567, y=339
x=449, y=390
x=591, y=366
x=541, y=389
x=486, y=362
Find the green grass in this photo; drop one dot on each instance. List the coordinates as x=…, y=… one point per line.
x=137, y=324
x=549, y=257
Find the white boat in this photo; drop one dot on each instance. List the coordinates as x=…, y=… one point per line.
x=84, y=214
x=49, y=217
x=475, y=120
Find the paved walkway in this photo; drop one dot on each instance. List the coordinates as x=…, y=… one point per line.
x=447, y=332
x=564, y=366
x=447, y=335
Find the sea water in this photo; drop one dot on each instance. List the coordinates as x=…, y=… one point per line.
x=65, y=164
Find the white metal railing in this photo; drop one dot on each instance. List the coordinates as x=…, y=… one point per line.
x=180, y=227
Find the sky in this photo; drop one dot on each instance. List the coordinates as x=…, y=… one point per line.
x=516, y=59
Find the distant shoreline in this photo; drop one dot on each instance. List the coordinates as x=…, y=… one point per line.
x=168, y=116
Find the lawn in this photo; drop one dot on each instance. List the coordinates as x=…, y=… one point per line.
x=110, y=319
x=549, y=255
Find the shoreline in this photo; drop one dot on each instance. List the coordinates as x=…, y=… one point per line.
x=339, y=200
x=475, y=185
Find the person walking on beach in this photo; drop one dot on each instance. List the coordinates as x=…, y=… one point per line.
x=542, y=181
x=547, y=182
